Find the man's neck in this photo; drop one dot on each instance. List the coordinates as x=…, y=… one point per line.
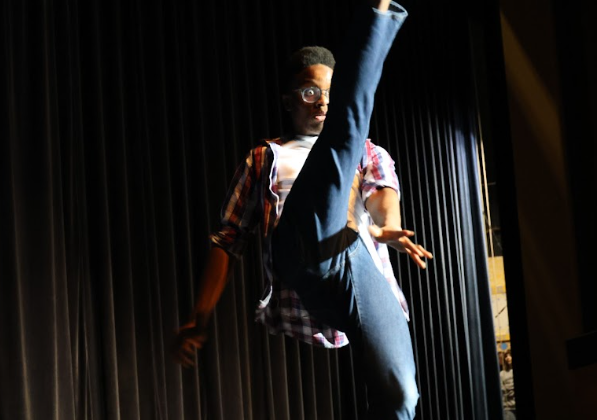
x=294, y=136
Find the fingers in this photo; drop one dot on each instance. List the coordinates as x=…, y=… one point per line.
x=184, y=353
x=416, y=252
x=186, y=356
x=399, y=239
x=416, y=248
x=409, y=245
x=186, y=344
x=426, y=253
x=196, y=341
x=416, y=258
x=183, y=356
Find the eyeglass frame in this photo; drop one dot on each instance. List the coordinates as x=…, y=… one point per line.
x=324, y=92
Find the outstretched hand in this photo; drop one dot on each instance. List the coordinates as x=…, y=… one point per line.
x=399, y=239
x=189, y=338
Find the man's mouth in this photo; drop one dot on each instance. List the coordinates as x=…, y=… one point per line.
x=320, y=117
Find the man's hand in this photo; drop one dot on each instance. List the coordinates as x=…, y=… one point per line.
x=189, y=338
x=399, y=239
x=384, y=207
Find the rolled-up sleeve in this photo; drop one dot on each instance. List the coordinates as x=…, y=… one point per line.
x=239, y=217
x=378, y=171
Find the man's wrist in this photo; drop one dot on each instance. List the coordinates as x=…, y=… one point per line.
x=391, y=227
x=200, y=319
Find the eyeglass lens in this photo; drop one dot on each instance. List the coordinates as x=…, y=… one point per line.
x=312, y=94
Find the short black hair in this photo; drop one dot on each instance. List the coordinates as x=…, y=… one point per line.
x=305, y=57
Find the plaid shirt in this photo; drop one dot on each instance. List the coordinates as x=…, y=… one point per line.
x=252, y=202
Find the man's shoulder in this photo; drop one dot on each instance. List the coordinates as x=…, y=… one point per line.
x=371, y=149
x=261, y=155
x=260, y=146
x=277, y=140
x=264, y=144
x=373, y=146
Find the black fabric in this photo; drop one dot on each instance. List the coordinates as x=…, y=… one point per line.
x=124, y=122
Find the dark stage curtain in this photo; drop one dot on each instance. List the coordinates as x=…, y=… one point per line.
x=124, y=123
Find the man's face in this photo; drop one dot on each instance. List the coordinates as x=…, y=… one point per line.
x=308, y=118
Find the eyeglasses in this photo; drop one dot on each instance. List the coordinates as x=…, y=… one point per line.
x=312, y=94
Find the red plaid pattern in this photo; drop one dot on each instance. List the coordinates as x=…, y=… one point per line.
x=252, y=201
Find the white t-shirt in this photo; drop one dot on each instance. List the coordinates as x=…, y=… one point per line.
x=291, y=158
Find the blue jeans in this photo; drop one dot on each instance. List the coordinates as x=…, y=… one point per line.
x=327, y=263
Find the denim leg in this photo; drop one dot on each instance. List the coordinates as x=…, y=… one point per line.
x=382, y=343
x=315, y=211
x=327, y=263
x=355, y=297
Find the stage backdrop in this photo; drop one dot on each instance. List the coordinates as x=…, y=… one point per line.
x=124, y=123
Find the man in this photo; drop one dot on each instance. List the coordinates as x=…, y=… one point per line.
x=330, y=277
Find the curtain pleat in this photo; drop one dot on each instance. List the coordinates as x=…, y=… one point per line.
x=125, y=121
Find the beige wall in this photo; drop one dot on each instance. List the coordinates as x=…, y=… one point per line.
x=499, y=301
x=544, y=209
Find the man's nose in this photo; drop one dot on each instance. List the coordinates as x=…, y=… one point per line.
x=323, y=100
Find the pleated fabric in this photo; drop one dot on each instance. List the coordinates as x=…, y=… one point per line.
x=124, y=123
